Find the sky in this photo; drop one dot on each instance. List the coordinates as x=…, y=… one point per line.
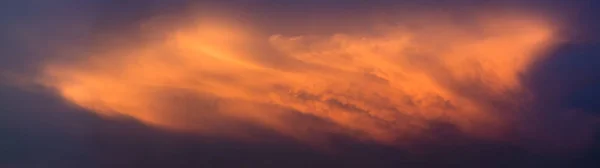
x=274, y=83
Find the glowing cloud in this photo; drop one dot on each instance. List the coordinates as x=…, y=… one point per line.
x=387, y=85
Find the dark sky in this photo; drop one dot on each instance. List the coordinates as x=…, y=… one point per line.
x=40, y=129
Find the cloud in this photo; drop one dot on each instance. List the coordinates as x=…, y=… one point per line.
x=440, y=114
x=388, y=84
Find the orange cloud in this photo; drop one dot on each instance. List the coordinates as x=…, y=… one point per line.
x=387, y=85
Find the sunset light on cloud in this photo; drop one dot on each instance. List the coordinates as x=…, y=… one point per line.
x=388, y=85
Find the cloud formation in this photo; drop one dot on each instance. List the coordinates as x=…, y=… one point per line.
x=388, y=85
